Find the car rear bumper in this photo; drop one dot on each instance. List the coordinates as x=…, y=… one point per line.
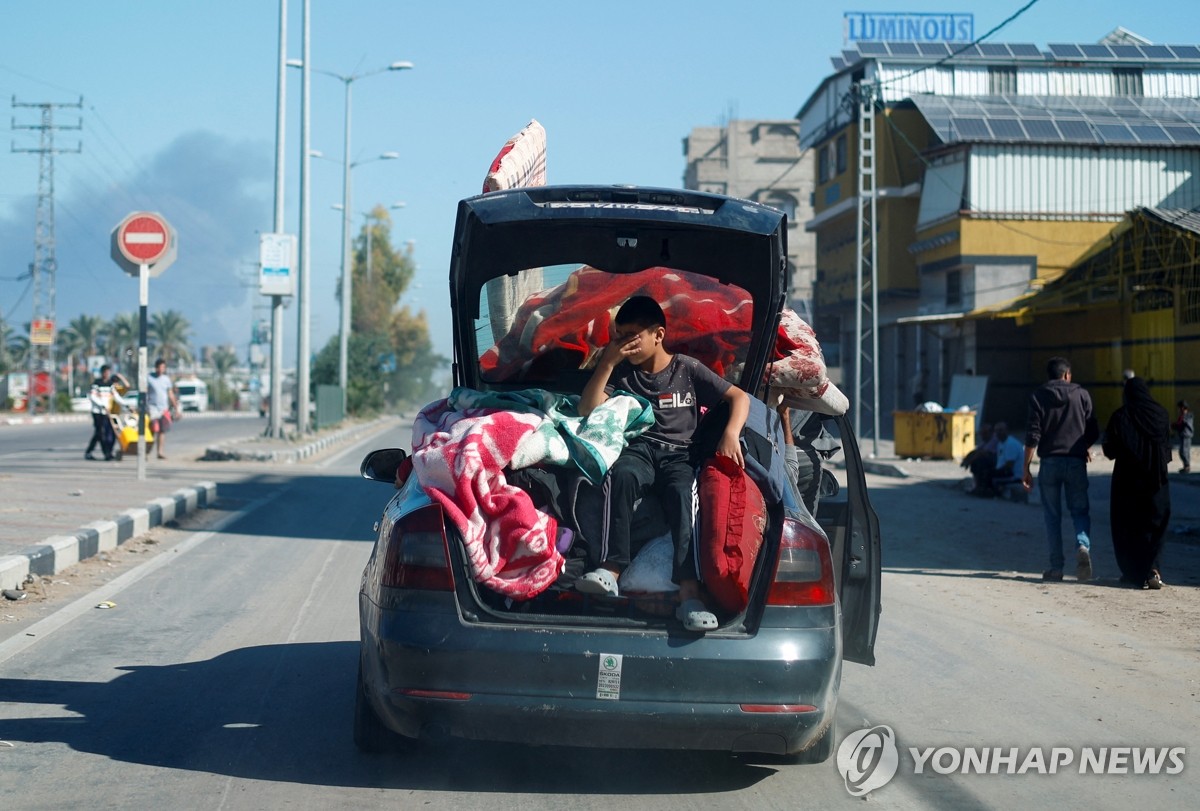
x=605, y=724
x=431, y=675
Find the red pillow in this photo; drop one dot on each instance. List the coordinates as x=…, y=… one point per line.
x=733, y=517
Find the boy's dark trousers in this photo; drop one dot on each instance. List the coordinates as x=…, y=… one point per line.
x=646, y=465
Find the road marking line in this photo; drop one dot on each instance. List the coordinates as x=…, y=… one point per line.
x=43, y=628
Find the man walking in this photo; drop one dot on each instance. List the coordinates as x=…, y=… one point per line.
x=100, y=398
x=160, y=403
x=1062, y=428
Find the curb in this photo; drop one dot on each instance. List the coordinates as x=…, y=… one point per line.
x=47, y=419
x=229, y=452
x=58, y=552
x=884, y=469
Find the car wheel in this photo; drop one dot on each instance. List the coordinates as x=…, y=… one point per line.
x=370, y=735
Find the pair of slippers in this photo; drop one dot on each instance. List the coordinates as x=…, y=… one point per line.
x=692, y=613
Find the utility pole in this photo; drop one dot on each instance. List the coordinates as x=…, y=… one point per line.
x=303, y=349
x=43, y=352
x=275, y=419
x=866, y=335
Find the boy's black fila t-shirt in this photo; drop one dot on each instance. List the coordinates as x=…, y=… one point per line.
x=677, y=393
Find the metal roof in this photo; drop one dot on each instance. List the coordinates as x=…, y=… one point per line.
x=1112, y=120
x=1106, y=53
x=1187, y=219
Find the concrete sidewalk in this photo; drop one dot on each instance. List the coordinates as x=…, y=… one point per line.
x=58, y=510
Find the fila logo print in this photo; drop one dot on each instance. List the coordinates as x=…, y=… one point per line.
x=676, y=400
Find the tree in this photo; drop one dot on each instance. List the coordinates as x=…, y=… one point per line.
x=390, y=356
x=170, y=332
x=16, y=347
x=223, y=361
x=88, y=332
x=121, y=342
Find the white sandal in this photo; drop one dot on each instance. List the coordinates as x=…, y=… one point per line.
x=695, y=617
x=600, y=582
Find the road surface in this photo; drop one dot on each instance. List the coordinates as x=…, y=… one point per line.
x=223, y=678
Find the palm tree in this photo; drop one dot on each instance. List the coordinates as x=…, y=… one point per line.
x=7, y=337
x=89, y=330
x=70, y=345
x=170, y=333
x=121, y=341
x=223, y=360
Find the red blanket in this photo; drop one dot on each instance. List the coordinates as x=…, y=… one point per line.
x=459, y=458
x=565, y=326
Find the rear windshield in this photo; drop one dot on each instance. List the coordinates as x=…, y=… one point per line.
x=186, y=390
x=544, y=321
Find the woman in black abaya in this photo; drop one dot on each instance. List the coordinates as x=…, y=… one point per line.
x=1138, y=438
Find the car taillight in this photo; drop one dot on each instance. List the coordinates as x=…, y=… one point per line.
x=804, y=570
x=417, y=557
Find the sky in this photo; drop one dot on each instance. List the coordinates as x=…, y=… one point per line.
x=178, y=117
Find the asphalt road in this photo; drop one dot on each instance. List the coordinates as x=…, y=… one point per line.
x=224, y=677
x=188, y=436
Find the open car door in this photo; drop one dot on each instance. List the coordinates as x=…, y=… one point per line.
x=853, y=529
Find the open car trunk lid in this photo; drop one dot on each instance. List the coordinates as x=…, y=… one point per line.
x=536, y=276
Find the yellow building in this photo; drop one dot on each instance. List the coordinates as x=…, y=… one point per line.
x=1132, y=302
x=997, y=170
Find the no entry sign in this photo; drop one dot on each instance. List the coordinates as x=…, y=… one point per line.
x=144, y=238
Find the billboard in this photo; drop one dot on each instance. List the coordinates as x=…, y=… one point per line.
x=277, y=263
x=900, y=26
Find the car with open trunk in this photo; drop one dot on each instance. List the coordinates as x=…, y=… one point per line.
x=459, y=643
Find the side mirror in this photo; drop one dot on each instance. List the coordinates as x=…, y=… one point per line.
x=381, y=465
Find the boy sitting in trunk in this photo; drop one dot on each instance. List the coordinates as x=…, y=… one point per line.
x=677, y=386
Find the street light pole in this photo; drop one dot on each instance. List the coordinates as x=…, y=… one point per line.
x=347, y=262
x=303, y=348
x=275, y=421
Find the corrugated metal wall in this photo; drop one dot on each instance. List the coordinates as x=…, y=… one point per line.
x=1066, y=181
x=1031, y=81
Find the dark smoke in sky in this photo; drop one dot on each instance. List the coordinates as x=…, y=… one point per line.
x=216, y=192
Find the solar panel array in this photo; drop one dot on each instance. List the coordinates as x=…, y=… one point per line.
x=1063, y=52
x=1127, y=121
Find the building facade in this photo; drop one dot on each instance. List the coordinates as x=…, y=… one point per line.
x=761, y=161
x=997, y=170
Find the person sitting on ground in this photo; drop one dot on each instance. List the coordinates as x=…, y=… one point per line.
x=1006, y=461
x=678, y=387
x=981, y=460
x=1010, y=455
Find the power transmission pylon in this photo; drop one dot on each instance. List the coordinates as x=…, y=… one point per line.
x=42, y=356
x=866, y=381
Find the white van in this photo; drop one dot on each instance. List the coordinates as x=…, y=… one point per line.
x=192, y=395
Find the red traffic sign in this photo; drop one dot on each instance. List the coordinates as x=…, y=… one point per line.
x=144, y=238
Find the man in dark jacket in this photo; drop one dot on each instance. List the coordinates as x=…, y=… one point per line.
x=1062, y=428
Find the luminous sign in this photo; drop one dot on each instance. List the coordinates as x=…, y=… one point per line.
x=899, y=26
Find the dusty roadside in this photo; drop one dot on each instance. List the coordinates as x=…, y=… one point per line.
x=46, y=594
x=982, y=559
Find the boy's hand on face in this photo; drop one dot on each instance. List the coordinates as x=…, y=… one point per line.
x=621, y=347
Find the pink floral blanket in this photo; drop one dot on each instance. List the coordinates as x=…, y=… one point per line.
x=461, y=446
